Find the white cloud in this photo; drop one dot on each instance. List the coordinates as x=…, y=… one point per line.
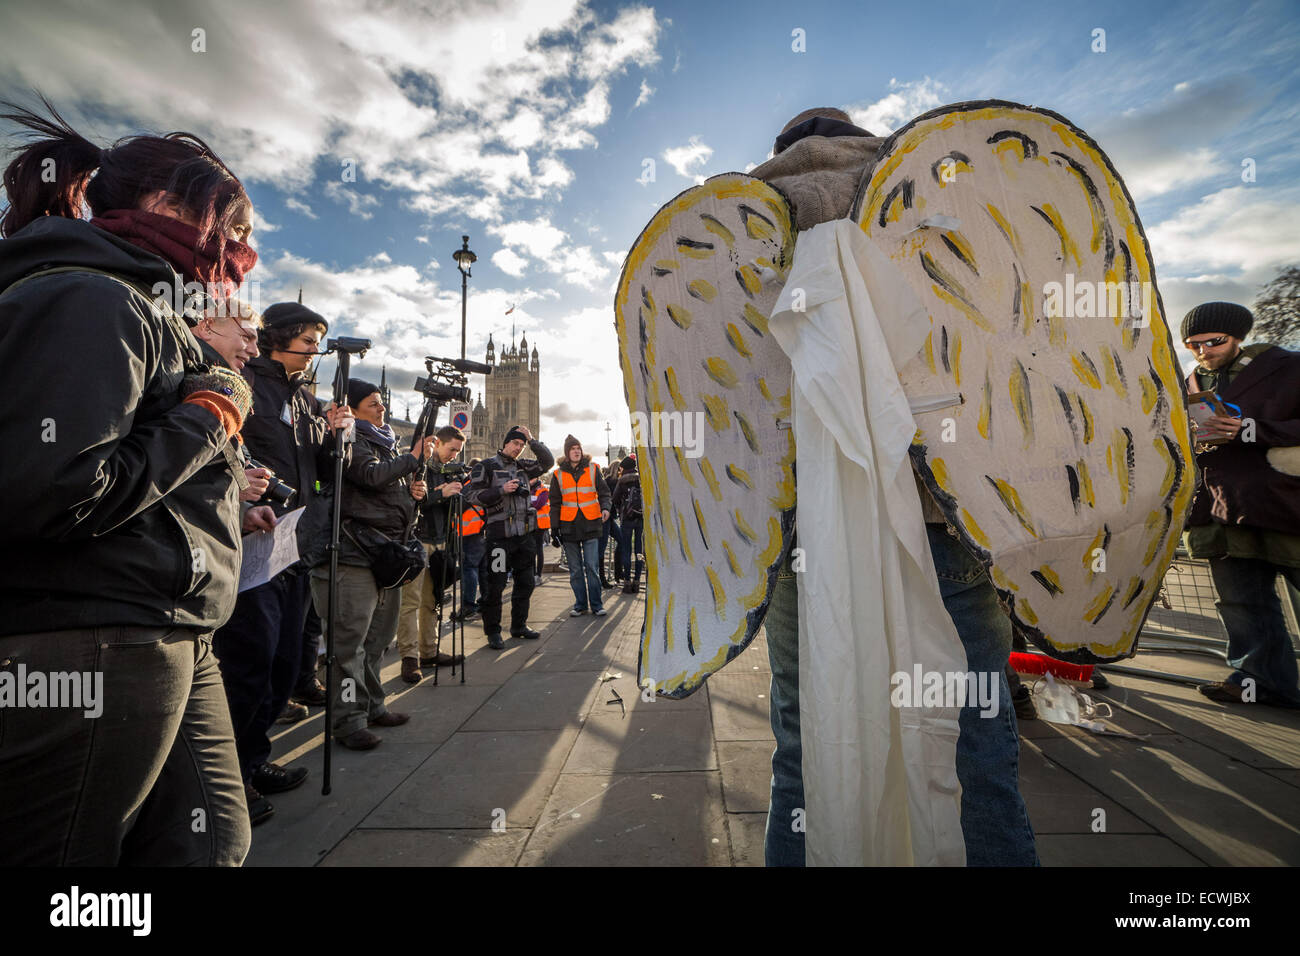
x=903, y=103
x=538, y=238
x=683, y=158
x=358, y=204
x=615, y=259
x=510, y=262
x=424, y=239
x=464, y=107
x=643, y=97
x=1239, y=228
x=300, y=207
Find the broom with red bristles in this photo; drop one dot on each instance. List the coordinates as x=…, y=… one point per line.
x=1039, y=664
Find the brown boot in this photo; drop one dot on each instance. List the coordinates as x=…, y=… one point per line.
x=411, y=670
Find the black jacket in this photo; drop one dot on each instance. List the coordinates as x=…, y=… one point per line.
x=507, y=516
x=580, y=528
x=376, y=496
x=622, y=488
x=117, y=506
x=300, y=454
x=435, y=510
x=1238, y=484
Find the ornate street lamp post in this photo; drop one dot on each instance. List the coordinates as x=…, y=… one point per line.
x=464, y=259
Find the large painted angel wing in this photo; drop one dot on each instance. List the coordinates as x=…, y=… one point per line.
x=709, y=391
x=1068, y=468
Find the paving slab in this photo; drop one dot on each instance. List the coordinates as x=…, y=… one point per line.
x=478, y=779
x=747, y=831
x=537, y=700
x=1219, y=810
x=644, y=741
x=428, y=848
x=1060, y=802
x=746, y=767
x=632, y=819
x=1112, y=849
x=739, y=700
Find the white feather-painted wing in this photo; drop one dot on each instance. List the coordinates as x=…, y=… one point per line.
x=1068, y=468
x=706, y=385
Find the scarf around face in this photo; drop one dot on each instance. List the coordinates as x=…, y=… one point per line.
x=178, y=243
x=381, y=436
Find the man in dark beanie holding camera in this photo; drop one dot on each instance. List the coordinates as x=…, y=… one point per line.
x=500, y=487
x=260, y=648
x=1245, y=518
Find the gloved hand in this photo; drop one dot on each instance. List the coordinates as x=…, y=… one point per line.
x=222, y=392
x=555, y=539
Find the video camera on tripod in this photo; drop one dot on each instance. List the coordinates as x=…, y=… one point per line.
x=449, y=382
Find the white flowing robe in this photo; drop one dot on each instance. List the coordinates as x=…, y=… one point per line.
x=880, y=781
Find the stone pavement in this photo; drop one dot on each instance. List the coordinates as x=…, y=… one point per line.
x=534, y=739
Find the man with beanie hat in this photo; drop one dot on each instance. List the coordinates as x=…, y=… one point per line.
x=500, y=487
x=580, y=503
x=1245, y=518
x=261, y=648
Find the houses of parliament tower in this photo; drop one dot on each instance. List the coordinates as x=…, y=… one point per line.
x=513, y=398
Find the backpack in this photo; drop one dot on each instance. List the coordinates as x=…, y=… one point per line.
x=632, y=504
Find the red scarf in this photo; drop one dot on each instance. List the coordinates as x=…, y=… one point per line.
x=178, y=243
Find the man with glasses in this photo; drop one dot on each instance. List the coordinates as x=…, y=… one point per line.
x=1245, y=518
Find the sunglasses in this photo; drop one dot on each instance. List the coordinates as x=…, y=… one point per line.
x=1207, y=343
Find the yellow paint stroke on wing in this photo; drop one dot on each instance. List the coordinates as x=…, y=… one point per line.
x=951, y=169
x=699, y=517
x=706, y=469
x=669, y=638
x=739, y=474
x=1085, y=482
x=1110, y=362
x=731, y=560
x=1021, y=401
x=1008, y=230
x=751, y=437
x=986, y=404
x=1093, y=610
x=736, y=339
x=755, y=319
x=1171, y=468
x=720, y=370
x=1001, y=580
x=764, y=390
x=1052, y=577
x=785, y=491
x=667, y=265
x=685, y=539
x=1121, y=464
x=753, y=284
x=1011, y=500
x=956, y=356
x=756, y=228
x=973, y=529
x=939, y=468
x=929, y=353
x=1068, y=247
x=670, y=376
x=767, y=557
x=681, y=464
x=1026, y=306
x=681, y=317
x=963, y=246
x=718, y=229
x=719, y=593
x=1011, y=145
x=702, y=289
x=743, y=528
x=1025, y=612
x=966, y=309
x=1154, y=526
x=1085, y=372
x=715, y=411
x=1148, y=394
x=1086, y=414
x=755, y=597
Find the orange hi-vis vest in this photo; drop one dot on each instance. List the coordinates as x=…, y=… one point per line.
x=544, y=517
x=579, y=495
x=471, y=522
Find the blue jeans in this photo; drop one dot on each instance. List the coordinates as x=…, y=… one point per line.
x=633, y=541
x=471, y=556
x=994, y=821
x=584, y=573
x=611, y=531
x=1258, y=643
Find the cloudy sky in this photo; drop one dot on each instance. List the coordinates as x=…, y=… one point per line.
x=373, y=134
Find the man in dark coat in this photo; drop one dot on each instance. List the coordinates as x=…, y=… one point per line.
x=500, y=486
x=1245, y=517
